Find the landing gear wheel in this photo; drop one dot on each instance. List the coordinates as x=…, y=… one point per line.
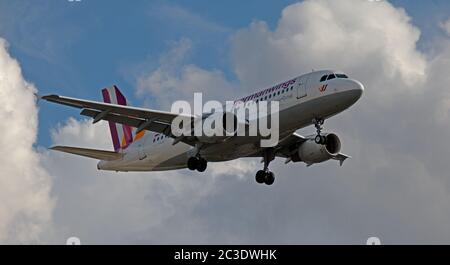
x=192, y=163
x=265, y=175
x=320, y=139
x=197, y=163
x=270, y=178
x=260, y=176
x=202, y=165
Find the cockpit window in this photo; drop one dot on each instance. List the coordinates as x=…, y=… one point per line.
x=332, y=76
x=341, y=76
x=323, y=78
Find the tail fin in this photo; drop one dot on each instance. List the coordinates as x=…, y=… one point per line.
x=122, y=135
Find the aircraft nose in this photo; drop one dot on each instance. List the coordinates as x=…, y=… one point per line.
x=357, y=87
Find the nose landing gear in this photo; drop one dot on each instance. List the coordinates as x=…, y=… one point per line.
x=197, y=163
x=318, y=123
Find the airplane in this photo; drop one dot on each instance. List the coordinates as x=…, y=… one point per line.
x=143, y=139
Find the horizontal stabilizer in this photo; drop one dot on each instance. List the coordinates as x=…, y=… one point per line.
x=91, y=153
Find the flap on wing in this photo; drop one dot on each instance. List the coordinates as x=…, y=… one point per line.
x=154, y=126
x=293, y=138
x=141, y=113
x=91, y=153
x=285, y=144
x=141, y=118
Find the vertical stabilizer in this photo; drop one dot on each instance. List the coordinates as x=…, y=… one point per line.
x=122, y=135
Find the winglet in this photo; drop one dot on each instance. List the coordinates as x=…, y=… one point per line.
x=341, y=158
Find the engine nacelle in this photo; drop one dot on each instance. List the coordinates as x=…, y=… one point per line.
x=311, y=153
x=226, y=122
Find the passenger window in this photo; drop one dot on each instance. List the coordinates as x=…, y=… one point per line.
x=323, y=78
x=341, y=76
x=332, y=76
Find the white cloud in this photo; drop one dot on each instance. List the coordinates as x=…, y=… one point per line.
x=25, y=202
x=82, y=133
x=391, y=133
x=174, y=80
x=446, y=26
x=182, y=17
x=108, y=207
x=369, y=40
x=438, y=78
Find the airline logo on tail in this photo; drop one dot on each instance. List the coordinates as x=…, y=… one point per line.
x=122, y=135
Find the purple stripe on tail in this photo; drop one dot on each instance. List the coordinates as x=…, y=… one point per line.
x=112, y=125
x=127, y=132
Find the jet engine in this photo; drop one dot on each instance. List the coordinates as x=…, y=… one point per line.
x=310, y=152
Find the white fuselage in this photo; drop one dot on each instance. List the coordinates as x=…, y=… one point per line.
x=301, y=99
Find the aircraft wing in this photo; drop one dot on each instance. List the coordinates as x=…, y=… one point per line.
x=141, y=118
x=293, y=139
x=108, y=108
x=91, y=153
x=286, y=145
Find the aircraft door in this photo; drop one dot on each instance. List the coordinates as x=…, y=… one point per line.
x=301, y=87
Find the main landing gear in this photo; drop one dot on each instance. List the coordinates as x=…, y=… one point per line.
x=320, y=139
x=266, y=176
x=197, y=163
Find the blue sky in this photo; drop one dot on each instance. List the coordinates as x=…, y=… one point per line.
x=76, y=49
